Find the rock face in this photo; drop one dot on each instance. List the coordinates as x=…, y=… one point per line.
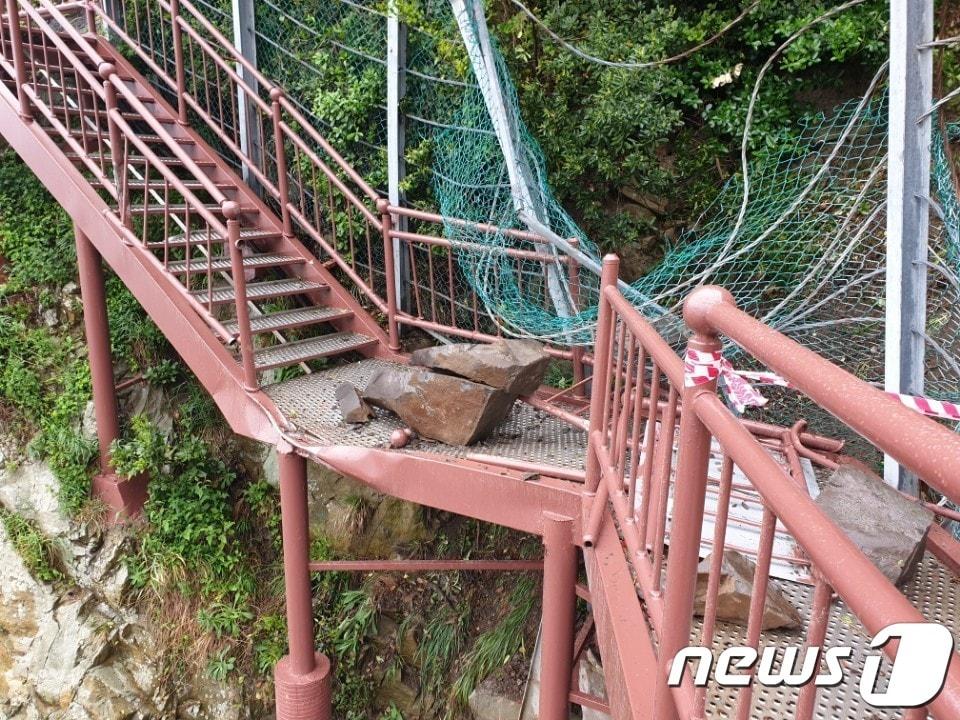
x=487, y=704
x=736, y=591
x=445, y=408
x=514, y=366
x=353, y=408
x=889, y=528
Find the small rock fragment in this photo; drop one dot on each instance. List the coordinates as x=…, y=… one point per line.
x=514, y=366
x=736, y=591
x=888, y=527
x=437, y=406
x=353, y=408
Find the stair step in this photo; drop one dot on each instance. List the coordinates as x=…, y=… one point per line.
x=139, y=160
x=161, y=185
x=288, y=319
x=200, y=238
x=126, y=115
x=181, y=208
x=310, y=349
x=149, y=138
x=222, y=262
x=221, y=295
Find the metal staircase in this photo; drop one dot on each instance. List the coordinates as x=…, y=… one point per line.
x=147, y=158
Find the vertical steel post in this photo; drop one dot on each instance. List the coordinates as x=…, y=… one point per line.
x=396, y=145
x=302, y=678
x=559, y=617
x=19, y=61
x=688, y=500
x=97, y=328
x=577, y=350
x=124, y=497
x=280, y=151
x=386, y=221
x=231, y=211
x=245, y=40
x=908, y=188
x=601, y=368
x=179, y=69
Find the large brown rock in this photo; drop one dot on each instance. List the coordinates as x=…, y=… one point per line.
x=514, y=366
x=888, y=527
x=353, y=408
x=736, y=591
x=437, y=406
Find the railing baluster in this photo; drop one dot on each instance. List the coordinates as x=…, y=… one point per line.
x=231, y=211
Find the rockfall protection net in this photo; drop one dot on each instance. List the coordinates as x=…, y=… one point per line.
x=806, y=254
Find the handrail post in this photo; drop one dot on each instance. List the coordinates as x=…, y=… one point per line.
x=386, y=223
x=19, y=61
x=179, y=69
x=91, y=16
x=693, y=457
x=280, y=151
x=601, y=367
x=107, y=71
x=231, y=211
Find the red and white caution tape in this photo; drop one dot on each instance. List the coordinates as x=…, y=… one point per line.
x=700, y=368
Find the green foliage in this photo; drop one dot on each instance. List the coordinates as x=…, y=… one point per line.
x=494, y=648
x=35, y=549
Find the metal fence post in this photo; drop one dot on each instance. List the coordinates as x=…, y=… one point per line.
x=280, y=151
x=908, y=211
x=231, y=211
x=245, y=39
x=559, y=617
x=688, y=500
x=396, y=145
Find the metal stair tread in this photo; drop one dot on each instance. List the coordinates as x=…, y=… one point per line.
x=140, y=159
x=147, y=138
x=259, y=290
x=222, y=262
x=310, y=349
x=200, y=238
x=179, y=208
x=287, y=319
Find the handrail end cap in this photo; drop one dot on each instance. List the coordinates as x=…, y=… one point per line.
x=700, y=302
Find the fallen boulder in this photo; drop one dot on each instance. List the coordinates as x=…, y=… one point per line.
x=735, y=593
x=353, y=408
x=890, y=528
x=442, y=407
x=514, y=366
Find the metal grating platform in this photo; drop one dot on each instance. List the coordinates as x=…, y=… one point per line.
x=527, y=434
x=934, y=591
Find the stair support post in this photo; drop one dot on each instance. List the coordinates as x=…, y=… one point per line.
x=693, y=457
x=180, y=71
x=231, y=211
x=389, y=269
x=302, y=677
x=124, y=497
x=559, y=617
x=602, y=350
x=280, y=151
x=19, y=61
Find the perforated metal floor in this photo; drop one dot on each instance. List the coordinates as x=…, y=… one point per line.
x=527, y=434
x=933, y=590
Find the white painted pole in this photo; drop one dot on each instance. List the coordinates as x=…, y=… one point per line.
x=908, y=212
x=396, y=144
x=245, y=39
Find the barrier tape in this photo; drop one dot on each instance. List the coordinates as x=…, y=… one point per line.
x=701, y=368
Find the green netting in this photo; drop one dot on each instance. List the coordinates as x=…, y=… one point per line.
x=807, y=255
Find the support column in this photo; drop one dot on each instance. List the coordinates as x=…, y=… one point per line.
x=123, y=497
x=396, y=146
x=559, y=616
x=245, y=40
x=302, y=677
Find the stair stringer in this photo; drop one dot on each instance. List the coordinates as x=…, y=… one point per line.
x=251, y=414
x=312, y=269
